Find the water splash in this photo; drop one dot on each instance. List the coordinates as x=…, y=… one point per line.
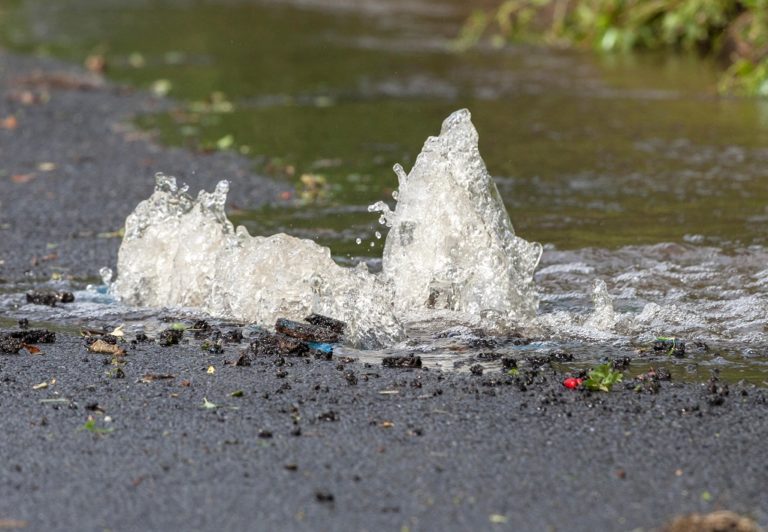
x=451, y=250
x=183, y=252
x=603, y=316
x=451, y=245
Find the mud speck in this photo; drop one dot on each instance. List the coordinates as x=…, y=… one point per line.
x=49, y=299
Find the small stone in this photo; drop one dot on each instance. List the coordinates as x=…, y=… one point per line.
x=476, y=369
x=409, y=361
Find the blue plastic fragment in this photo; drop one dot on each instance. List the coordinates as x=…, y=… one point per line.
x=321, y=346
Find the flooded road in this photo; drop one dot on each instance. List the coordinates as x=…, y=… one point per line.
x=626, y=169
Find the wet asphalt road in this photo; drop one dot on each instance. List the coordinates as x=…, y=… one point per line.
x=302, y=449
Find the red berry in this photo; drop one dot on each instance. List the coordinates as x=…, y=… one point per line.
x=572, y=383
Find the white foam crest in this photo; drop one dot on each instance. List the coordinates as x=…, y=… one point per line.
x=188, y=254
x=704, y=293
x=596, y=325
x=451, y=245
x=603, y=316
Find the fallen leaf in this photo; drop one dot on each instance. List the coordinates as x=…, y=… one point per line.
x=100, y=346
x=136, y=60
x=9, y=122
x=386, y=424
x=28, y=97
x=96, y=63
x=209, y=405
x=161, y=87
x=46, y=167
x=118, y=332
x=719, y=520
x=225, y=142
x=211, y=370
x=497, y=518
x=389, y=392
x=22, y=178
x=152, y=377
x=13, y=523
x=237, y=393
x=32, y=349
x=40, y=386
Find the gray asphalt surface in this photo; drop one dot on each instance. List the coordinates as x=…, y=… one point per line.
x=103, y=168
x=399, y=450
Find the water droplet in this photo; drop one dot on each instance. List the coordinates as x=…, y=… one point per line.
x=378, y=235
x=401, y=175
x=358, y=241
x=106, y=275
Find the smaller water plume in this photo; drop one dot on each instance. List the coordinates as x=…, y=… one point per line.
x=603, y=316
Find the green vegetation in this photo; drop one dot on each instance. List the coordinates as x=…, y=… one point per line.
x=91, y=427
x=602, y=378
x=735, y=31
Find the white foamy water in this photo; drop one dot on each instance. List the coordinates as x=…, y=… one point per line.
x=451, y=255
x=686, y=290
x=451, y=258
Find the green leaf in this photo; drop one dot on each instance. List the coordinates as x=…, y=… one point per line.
x=602, y=378
x=91, y=427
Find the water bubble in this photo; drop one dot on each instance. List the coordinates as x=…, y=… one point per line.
x=358, y=241
x=378, y=235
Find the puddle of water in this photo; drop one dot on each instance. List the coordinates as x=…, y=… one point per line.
x=588, y=151
x=599, y=158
